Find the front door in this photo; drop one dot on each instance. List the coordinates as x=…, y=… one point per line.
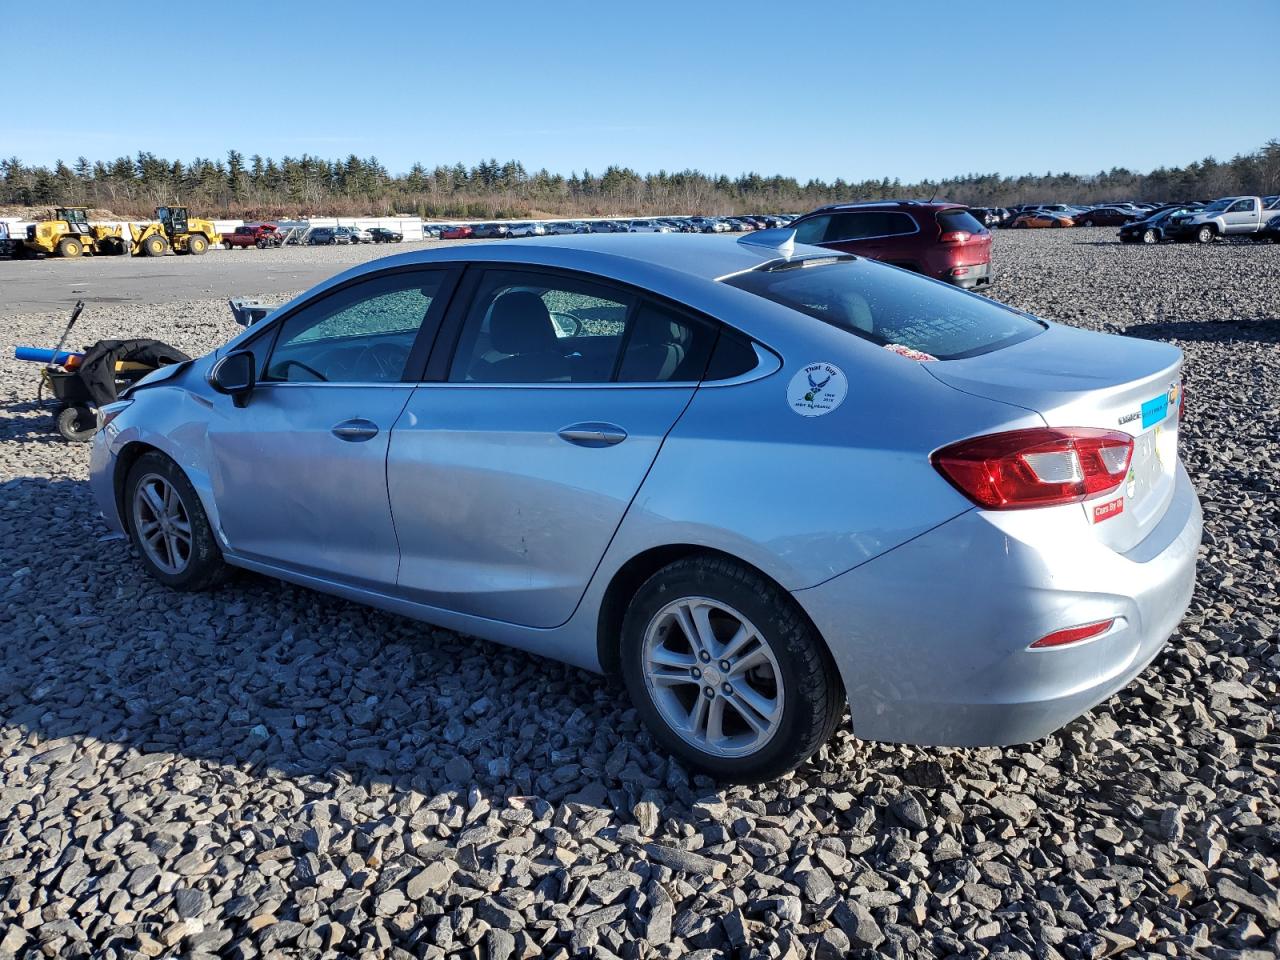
x=301, y=469
x=508, y=480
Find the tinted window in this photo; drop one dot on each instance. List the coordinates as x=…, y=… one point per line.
x=360, y=334
x=868, y=223
x=533, y=328
x=950, y=220
x=665, y=346
x=889, y=306
x=813, y=230
x=1241, y=206
x=733, y=356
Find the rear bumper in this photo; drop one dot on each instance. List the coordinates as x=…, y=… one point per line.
x=970, y=275
x=931, y=638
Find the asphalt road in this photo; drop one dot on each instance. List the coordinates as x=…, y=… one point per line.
x=54, y=284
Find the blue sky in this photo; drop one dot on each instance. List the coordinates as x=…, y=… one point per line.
x=810, y=89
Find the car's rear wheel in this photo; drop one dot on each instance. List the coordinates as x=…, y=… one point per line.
x=727, y=672
x=169, y=528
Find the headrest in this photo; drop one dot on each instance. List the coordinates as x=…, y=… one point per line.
x=520, y=323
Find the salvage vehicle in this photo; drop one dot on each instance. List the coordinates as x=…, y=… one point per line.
x=1155, y=228
x=384, y=235
x=1108, y=217
x=260, y=235
x=459, y=231
x=328, y=236
x=358, y=234
x=1228, y=217
x=490, y=231
x=756, y=479
x=1039, y=219
x=940, y=240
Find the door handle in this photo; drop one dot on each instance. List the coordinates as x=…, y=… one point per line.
x=593, y=434
x=354, y=431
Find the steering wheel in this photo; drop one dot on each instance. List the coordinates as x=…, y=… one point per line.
x=298, y=363
x=566, y=320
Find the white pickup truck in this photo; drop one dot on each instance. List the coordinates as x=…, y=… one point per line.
x=1228, y=217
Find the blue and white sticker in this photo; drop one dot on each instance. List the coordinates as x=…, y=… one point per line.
x=817, y=390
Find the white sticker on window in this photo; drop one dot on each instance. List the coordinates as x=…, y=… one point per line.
x=817, y=389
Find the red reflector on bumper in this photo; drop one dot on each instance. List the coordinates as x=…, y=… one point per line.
x=959, y=271
x=1073, y=634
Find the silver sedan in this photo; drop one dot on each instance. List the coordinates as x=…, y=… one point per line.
x=756, y=480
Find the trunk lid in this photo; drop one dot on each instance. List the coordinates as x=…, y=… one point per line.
x=1077, y=378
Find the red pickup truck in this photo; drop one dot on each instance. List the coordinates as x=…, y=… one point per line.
x=260, y=235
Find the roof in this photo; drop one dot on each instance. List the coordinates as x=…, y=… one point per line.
x=888, y=205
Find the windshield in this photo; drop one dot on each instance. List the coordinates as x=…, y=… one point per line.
x=1218, y=205
x=889, y=306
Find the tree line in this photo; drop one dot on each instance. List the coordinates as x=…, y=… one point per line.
x=256, y=187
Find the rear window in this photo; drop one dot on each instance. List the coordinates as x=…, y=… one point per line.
x=890, y=306
x=950, y=220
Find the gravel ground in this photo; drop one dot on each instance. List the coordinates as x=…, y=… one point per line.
x=270, y=772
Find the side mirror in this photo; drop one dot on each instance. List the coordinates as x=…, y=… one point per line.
x=235, y=375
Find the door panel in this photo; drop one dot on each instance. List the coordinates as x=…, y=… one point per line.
x=501, y=516
x=291, y=491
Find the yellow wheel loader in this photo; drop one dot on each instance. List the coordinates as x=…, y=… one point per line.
x=172, y=230
x=69, y=234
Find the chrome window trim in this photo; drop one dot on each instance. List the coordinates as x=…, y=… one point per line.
x=767, y=362
x=878, y=236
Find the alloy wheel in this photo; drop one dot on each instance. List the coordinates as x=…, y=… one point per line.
x=162, y=522
x=713, y=677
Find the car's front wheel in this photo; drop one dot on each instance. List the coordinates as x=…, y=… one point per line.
x=1149, y=236
x=169, y=528
x=727, y=672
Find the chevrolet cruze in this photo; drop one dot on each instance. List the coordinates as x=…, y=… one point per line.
x=757, y=480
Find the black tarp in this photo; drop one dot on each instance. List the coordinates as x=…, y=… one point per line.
x=98, y=369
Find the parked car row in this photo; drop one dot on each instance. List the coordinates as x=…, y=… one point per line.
x=497, y=231
x=1172, y=221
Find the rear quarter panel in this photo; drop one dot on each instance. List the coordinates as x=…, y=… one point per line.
x=807, y=498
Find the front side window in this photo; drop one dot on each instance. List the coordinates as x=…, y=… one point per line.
x=360, y=334
x=1241, y=206
x=888, y=306
x=813, y=230
x=528, y=327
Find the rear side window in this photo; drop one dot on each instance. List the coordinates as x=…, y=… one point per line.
x=813, y=230
x=888, y=306
x=952, y=220
x=868, y=223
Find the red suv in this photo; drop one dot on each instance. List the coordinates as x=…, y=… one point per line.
x=941, y=240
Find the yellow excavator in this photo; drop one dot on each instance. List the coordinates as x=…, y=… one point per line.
x=70, y=234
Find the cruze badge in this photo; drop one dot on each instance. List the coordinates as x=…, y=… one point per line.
x=817, y=389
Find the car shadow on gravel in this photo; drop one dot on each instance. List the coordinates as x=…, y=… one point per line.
x=269, y=678
x=1261, y=330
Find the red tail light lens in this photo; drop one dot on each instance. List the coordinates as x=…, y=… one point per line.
x=1039, y=467
x=955, y=236
x=1085, y=631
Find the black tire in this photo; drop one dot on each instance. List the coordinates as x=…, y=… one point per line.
x=1205, y=234
x=813, y=696
x=204, y=567
x=70, y=248
x=197, y=244
x=1150, y=236
x=1088, y=223
x=155, y=246
x=77, y=424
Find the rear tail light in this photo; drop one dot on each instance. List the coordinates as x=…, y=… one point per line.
x=959, y=271
x=1085, y=631
x=955, y=236
x=1039, y=467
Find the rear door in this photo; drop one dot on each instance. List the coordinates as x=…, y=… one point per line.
x=511, y=469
